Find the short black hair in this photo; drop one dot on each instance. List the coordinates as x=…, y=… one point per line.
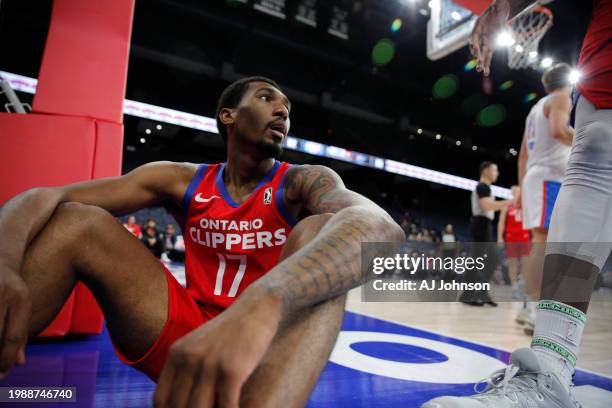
x=485, y=165
x=231, y=96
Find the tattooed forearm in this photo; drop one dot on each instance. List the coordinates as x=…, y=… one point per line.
x=330, y=265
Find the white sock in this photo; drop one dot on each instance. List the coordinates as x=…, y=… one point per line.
x=556, y=338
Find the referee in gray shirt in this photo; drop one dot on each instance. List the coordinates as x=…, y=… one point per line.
x=482, y=234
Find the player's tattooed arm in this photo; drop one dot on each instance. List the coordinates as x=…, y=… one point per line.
x=318, y=189
x=330, y=264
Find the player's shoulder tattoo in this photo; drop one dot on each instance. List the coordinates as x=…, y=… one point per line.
x=314, y=186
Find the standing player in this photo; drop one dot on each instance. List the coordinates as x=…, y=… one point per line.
x=264, y=297
x=580, y=235
x=510, y=231
x=545, y=150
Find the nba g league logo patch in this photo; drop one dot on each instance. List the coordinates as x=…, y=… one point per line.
x=268, y=196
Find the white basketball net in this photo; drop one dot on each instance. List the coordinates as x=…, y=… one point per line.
x=527, y=31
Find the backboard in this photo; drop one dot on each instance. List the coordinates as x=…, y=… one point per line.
x=450, y=25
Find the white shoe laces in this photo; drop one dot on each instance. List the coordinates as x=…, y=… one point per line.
x=509, y=380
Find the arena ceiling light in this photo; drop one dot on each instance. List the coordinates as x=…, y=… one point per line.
x=505, y=39
x=546, y=62
x=189, y=120
x=574, y=76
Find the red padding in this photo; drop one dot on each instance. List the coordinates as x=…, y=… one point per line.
x=84, y=66
x=109, y=150
x=43, y=151
x=475, y=6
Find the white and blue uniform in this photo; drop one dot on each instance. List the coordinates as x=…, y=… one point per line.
x=546, y=164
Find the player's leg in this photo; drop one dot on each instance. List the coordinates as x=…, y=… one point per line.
x=579, y=243
x=533, y=277
x=535, y=264
x=479, y=236
x=85, y=243
x=298, y=354
x=513, y=271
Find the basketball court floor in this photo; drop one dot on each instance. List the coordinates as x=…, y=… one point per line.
x=387, y=355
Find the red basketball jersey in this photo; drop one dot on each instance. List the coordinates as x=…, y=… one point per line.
x=229, y=245
x=514, y=231
x=596, y=57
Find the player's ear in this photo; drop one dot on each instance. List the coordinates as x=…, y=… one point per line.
x=227, y=116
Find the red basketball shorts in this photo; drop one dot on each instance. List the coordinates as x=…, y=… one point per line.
x=184, y=315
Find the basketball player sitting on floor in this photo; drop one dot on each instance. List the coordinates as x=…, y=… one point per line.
x=265, y=286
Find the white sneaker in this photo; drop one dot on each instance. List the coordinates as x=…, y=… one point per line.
x=520, y=385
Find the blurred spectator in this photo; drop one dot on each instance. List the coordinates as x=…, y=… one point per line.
x=449, y=242
x=171, y=250
x=405, y=223
x=150, y=223
x=414, y=234
x=152, y=241
x=134, y=228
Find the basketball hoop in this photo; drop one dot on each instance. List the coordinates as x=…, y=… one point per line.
x=527, y=30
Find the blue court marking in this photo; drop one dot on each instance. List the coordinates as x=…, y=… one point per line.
x=89, y=363
x=403, y=353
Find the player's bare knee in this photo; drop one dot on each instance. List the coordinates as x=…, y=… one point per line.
x=75, y=222
x=80, y=216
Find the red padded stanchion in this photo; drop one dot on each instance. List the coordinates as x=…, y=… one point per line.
x=84, y=66
x=47, y=151
x=44, y=151
x=76, y=131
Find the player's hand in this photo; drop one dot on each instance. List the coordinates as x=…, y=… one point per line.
x=209, y=366
x=484, y=35
x=15, y=309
